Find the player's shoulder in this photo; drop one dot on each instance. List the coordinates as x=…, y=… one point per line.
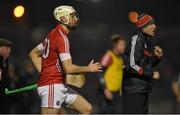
x=55, y=34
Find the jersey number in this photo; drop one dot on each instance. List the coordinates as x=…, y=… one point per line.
x=46, y=48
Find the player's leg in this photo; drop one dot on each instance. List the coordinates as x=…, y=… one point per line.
x=81, y=105
x=77, y=102
x=46, y=110
x=51, y=99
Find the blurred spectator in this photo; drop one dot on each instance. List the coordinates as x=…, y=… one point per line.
x=25, y=102
x=5, y=81
x=141, y=59
x=111, y=79
x=29, y=101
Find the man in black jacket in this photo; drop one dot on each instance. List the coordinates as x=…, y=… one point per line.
x=141, y=57
x=5, y=49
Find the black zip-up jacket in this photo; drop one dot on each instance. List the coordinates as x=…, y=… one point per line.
x=140, y=61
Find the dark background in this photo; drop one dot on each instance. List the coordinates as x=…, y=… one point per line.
x=98, y=20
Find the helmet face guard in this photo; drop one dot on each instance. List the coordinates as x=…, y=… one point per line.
x=75, y=15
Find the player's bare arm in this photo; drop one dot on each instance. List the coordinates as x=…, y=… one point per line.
x=35, y=56
x=71, y=68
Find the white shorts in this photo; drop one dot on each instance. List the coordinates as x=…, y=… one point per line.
x=53, y=96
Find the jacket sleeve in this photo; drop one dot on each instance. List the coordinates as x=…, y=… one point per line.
x=136, y=56
x=156, y=61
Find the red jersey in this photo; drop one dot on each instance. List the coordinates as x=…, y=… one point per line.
x=55, y=48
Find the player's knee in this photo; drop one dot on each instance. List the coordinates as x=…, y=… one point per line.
x=88, y=109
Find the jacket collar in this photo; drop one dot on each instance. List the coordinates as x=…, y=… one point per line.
x=145, y=36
